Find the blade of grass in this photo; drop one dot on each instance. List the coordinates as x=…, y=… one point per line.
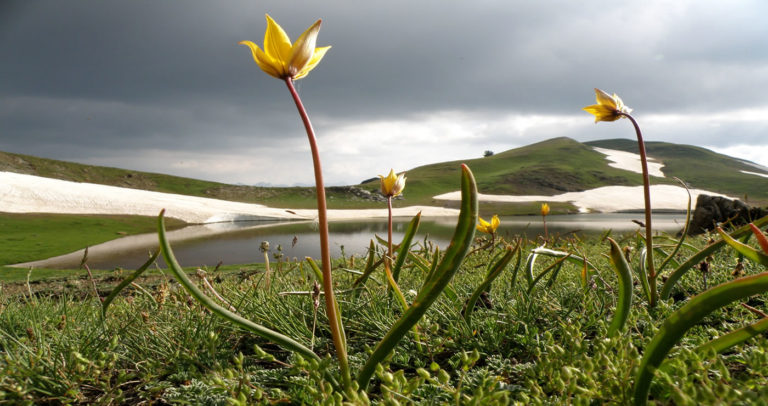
x=127, y=281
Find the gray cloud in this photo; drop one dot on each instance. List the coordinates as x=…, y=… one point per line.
x=107, y=81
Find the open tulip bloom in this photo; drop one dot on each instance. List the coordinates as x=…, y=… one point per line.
x=283, y=60
x=486, y=227
x=392, y=185
x=608, y=108
x=611, y=108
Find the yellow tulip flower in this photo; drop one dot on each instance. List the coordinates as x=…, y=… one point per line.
x=544, y=209
x=486, y=227
x=282, y=60
x=392, y=185
x=608, y=108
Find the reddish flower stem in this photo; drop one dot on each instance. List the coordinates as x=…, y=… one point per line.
x=325, y=253
x=647, y=195
x=389, y=231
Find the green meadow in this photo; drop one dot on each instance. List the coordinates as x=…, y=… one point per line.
x=541, y=343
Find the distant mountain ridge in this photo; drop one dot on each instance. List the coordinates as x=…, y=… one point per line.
x=549, y=167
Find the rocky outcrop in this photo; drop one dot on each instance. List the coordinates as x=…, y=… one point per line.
x=712, y=210
x=357, y=193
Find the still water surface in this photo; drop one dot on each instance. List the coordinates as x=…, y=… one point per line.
x=239, y=242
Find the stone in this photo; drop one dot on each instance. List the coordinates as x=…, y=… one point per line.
x=713, y=210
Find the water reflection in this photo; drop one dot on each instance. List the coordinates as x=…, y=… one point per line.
x=235, y=243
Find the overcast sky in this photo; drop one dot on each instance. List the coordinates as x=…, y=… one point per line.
x=163, y=86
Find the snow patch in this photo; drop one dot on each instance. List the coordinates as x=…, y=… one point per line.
x=630, y=162
x=606, y=199
x=755, y=173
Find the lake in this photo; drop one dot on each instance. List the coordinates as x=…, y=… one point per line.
x=236, y=243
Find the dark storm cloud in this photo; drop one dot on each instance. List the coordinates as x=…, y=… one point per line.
x=81, y=78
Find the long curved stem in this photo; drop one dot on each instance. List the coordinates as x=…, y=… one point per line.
x=647, y=195
x=325, y=253
x=389, y=230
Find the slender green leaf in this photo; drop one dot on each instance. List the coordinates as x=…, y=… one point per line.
x=624, y=274
x=642, y=274
x=319, y=275
x=530, y=262
x=113, y=294
x=370, y=266
x=743, y=249
x=703, y=253
x=576, y=259
x=405, y=246
x=680, y=242
x=556, y=265
x=679, y=322
x=517, y=264
x=435, y=285
x=181, y=276
x=494, y=271
x=761, y=239
x=736, y=337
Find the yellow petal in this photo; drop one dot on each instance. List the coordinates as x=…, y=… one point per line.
x=276, y=42
x=399, y=185
x=602, y=113
x=388, y=183
x=605, y=99
x=495, y=222
x=544, y=209
x=266, y=63
x=483, y=226
x=303, y=49
x=316, y=57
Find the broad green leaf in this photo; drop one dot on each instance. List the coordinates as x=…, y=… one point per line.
x=679, y=322
x=624, y=275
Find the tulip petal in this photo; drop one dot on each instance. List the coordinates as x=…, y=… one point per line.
x=276, y=42
x=303, y=49
x=266, y=63
x=605, y=99
x=316, y=57
x=602, y=113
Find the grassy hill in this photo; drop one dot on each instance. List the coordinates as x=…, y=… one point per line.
x=550, y=167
